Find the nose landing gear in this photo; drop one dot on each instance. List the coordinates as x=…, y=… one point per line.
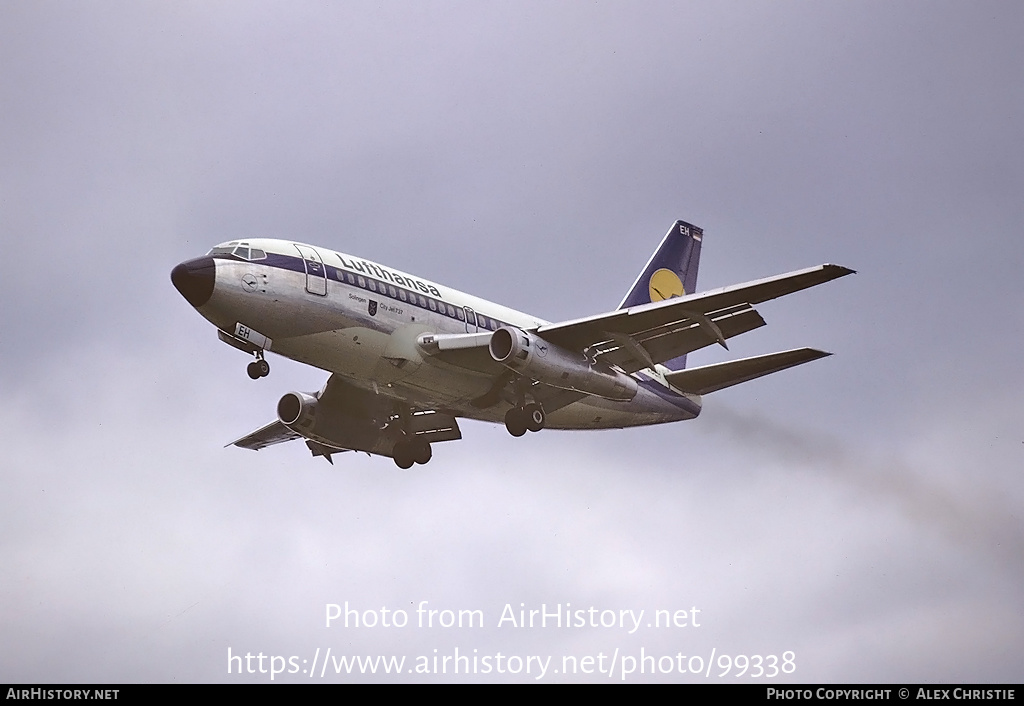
x=259, y=368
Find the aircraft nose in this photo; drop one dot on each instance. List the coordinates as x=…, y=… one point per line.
x=194, y=279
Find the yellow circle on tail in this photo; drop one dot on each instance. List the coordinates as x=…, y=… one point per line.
x=665, y=284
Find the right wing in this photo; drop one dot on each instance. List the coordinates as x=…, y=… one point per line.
x=641, y=336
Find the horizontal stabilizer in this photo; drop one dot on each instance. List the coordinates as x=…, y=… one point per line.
x=709, y=378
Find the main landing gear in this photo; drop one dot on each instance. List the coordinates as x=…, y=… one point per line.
x=259, y=368
x=410, y=451
x=519, y=420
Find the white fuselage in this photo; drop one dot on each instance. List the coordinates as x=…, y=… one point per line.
x=362, y=321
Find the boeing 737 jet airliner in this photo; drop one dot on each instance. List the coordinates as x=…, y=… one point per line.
x=407, y=357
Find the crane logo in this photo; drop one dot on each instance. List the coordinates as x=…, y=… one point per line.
x=665, y=284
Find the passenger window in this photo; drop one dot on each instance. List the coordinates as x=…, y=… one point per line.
x=433, y=304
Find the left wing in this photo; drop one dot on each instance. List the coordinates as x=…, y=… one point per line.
x=273, y=433
x=277, y=433
x=343, y=417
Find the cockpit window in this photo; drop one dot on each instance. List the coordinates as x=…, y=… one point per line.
x=242, y=251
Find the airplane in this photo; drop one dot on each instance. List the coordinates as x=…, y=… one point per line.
x=408, y=357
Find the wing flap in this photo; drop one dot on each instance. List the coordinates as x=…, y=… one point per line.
x=434, y=426
x=710, y=378
x=668, y=342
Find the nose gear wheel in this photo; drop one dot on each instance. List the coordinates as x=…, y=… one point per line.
x=259, y=368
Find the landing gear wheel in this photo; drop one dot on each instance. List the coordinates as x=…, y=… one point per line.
x=422, y=452
x=403, y=455
x=516, y=421
x=534, y=417
x=257, y=369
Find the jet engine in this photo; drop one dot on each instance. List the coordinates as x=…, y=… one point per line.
x=532, y=356
x=297, y=411
x=328, y=423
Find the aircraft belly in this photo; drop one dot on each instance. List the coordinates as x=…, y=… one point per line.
x=352, y=352
x=447, y=388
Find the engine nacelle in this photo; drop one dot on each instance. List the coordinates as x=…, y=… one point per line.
x=297, y=411
x=532, y=356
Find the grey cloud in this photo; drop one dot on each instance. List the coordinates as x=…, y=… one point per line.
x=862, y=512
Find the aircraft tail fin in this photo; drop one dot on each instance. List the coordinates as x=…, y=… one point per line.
x=671, y=272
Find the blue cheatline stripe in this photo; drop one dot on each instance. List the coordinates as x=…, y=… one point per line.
x=293, y=263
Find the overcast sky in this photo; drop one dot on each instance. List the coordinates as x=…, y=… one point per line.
x=862, y=512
